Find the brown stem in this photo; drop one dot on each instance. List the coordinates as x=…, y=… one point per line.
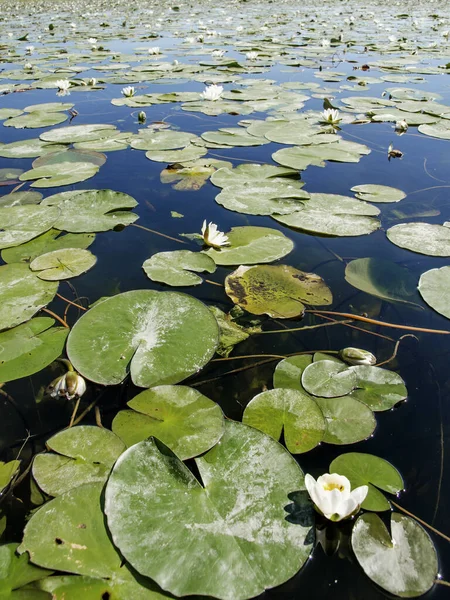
x=70, y=302
x=385, y=337
x=75, y=410
x=213, y=282
x=397, y=344
x=424, y=523
x=442, y=582
x=55, y=316
x=158, y=233
x=303, y=328
x=85, y=412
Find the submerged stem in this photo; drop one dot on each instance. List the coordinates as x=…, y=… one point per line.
x=158, y=233
x=424, y=523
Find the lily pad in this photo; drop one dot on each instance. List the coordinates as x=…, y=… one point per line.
x=252, y=245
x=47, y=242
x=378, y=193
x=161, y=140
x=20, y=199
x=77, y=133
x=17, y=571
x=7, y=473
x=300, y=157
x=22, y=294
x=402, y=562
x=158, y=337
x=58, y=174
x=9, y=175
x=288, y=372
x=28, y=348
x=78, y=455
x=264, y=198
x=279, y=291
x=20, y=224
x=36, y=119
x=173, y=268
x=328, y=379
x=185, y=420
x=75, y=156
x=254, y=173
x=379, y=388
x=348, y=420
x=381, y=278
x=185, y=155
x=237, y=513
x=63, y=264
x=29, y=148
x=290, y=411
x=92, y=210
x=424, y=238
x=433, y=287
x=366, y=469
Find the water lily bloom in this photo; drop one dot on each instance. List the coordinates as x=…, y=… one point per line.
x=330, y=116
x=63, y=86
x=212, y=92
x=252, y=55
x=332, y=496
x=29, y=49
x=212, y=237
x=357, y=356
x=325, y=43
x=28, y=66
x=218, y=53
x=154, y=50
x=92, y=81
x=92, y=41
x=401, y=126
x=70, y=385
x=128, y=91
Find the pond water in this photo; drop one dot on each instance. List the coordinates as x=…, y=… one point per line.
x=305, y=60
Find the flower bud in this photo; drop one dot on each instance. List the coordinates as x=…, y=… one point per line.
x=142, y=117
x=356, y=356
x=70, y=385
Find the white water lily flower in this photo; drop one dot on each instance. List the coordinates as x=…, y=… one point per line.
x=28, y=66
x=63, y=86
x=212, y=237
x=252, y=55
x=357, y=356
x=401, y=126
x=29, y=49
x=92, y=41
x=330, y=116
x=154, y=50
x=325, y=43
x=70, y=386
x=92, y=81
x=332, y=496
x=218, y=53
x=128, y=91
x=212, y=92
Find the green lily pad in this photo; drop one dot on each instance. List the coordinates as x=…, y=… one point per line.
x=75, y=156
x=381, y=278
x=330, y=214
x=6, y=113
x=49, y=107
x=78, y=455
x=290, y=411
x=433, y=287
x=300, y=157
x=22, y=294
x=173, y=268
x=366, y=469
x=28, y=348
x=192, y=177
x=63, y=264
x=9, y=174
x=20, y=224
x=233, y=136
x=403, y=562
x=230, y=332
x=185, y=155
x=185, y=420
x=161, y=140
x=237, y=513
x=378, y=193
x=424, y=238
x=252, y=245
x=264, y=198
x=29, y=148
x=440, y=130
x=92, y=210
x=35, y=120
x=328, y=379
x=17, y=571
x=112, y=143
x=47, y=242
x=20, y=199
x=379, y=388
x=253, y=173
x=58, y=174
x=78, y=133
x=7, y=473
x=288, y=372
x=348, y=420
x=166, y=336
x=279, y=291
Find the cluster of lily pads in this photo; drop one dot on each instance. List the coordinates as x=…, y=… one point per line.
x=177, y=499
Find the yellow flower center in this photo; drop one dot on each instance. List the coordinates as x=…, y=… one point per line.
x=333, y=486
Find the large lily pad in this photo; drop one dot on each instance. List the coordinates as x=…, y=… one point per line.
x=185, y=420
x=78, y=455
x=402, y=562
x=379, y=388
x=300, y=157
x=62, y=173
x=174, y=268
x=36, y=119
x=157, y=337
x=30, y=347
x=279, y=291
x=78, y=133
x=366, y=469
x=434, y=288
x=348, y=420
x=92, y=210
x=252, y=245
x=63, y=264
x=29, y=148
x=424, y=238
x=20, y=199
x=47, y=242
x=20, y=224
x=262, y=198
x=288, y=372
x=234, y=523
x=162, y=140
x=254, y=173
x=290, y=411
x=22, y=294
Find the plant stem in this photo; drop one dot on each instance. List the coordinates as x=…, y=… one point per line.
x=159, y=233
x=424, y=523
x=55, y=316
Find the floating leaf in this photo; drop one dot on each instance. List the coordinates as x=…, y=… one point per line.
x=381, y=278
x=63, y=264
x=186, y=155
x=9, y=174
x=237, y=514
x=92, y=210
x=29, y=148
x=300, y=157
x=30, y=347
x=378, y=193
x=166, y=336
x=20, y=199
x=174, y=267
x=433, y=287
x=440, y=130
x=7, y=473
x=47, y=242
x=76, y=156
x=379, y=388
x=161, y=140
x=36, y=119
x=20, y=224
x=22, y=294
x=288, y=372
x=16, y=571
x=402, y=562
x=78, y=133
x=264, y=198
x=251, y=245
x=366, y=469
x=290, y=411
x=348, y=420
x=233, y=136
x=62, y=173
x=424, y=238
x=254, y=173
x=328, y=378
x=185, y=420
x=78, y=455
